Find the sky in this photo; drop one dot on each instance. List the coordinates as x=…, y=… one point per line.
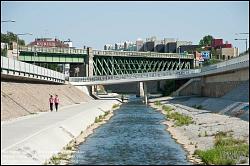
x=95, y=24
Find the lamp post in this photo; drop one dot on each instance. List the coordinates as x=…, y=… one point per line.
x=179, y=56
x=17, y=39
x=245, y=40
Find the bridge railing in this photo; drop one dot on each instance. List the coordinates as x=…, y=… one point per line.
x=228, y=63
x=174, y=73
x=12, y=66
x=52, y=50
x=143, y=54
x=105, y=52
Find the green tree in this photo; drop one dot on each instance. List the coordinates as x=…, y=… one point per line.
x=11, y=37
x=206, y=41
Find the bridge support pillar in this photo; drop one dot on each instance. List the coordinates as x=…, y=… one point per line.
x=89, y=62
x=143, y=92
x=141, y=89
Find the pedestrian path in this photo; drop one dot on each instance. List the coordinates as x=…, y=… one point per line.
x=15, y=131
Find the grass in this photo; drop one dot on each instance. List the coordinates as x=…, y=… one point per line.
x=55, y=160
x=197, y=106
x=106, y=113
x=157, y=103
x=180, y=119
x=167, y=108
x=115, y=106
x=101, y=117
x=227, y=151
x=98, y=119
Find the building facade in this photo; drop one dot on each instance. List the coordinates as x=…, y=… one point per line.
x=226, y=53
x=49, y=42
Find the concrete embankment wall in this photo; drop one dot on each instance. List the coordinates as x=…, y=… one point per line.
x=39, y=147
x=216, y=85
x=219, y=85
x=19, y=99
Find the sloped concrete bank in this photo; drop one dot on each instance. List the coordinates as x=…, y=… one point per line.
x=40, y=146
x=21, y=99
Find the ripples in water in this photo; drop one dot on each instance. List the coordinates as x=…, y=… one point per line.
x=134, y=135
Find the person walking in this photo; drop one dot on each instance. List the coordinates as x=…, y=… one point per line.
x=56, y=100
x=51, y=101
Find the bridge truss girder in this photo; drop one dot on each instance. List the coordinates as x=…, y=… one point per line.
x=109, y=65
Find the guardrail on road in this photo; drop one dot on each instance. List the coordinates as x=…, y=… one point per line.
x=17, y=68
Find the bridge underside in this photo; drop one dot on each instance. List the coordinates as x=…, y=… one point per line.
x=106, y=65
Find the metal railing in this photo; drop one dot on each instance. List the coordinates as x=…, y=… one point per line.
x=242, y=61
x=143, y=54
x=234, y=61
x=18, y=66
x=174, y=73
x=52, y=50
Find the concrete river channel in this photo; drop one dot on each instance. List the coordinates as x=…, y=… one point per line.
x=133, y=136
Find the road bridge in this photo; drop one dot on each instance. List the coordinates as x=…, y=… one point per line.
x=98, y=62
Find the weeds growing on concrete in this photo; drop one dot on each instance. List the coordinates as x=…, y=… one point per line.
x=98, y=119
x=115, y=106
x=227, y=151
x=157, y=103
x=167, y=108
x=180, y=119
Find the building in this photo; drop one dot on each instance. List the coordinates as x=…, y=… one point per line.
x=171, y=47
x=149, y=46
x=48, y=42
x=227, y=53
x=218, y=43
x=188, y=48
x=181, y=43
x=139, y=45
x=160, y=48
x=108, y=47
x=69, y=43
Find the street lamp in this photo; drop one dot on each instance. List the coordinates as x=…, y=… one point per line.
x=179, y=56
x=245, y=40
x=17, y=39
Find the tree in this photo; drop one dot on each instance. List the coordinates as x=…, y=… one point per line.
x=206, y=41
x=11, y=37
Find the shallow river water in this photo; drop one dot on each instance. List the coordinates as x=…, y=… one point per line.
x=134, y=135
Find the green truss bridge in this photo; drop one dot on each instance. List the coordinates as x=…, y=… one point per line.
x=97, y=62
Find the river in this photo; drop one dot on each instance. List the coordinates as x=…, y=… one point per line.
x=133, y=136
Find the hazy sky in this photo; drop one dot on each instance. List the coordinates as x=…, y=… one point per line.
x=97, y=23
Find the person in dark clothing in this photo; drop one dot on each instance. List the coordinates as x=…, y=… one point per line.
x=56, y=100
x=51, y=101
